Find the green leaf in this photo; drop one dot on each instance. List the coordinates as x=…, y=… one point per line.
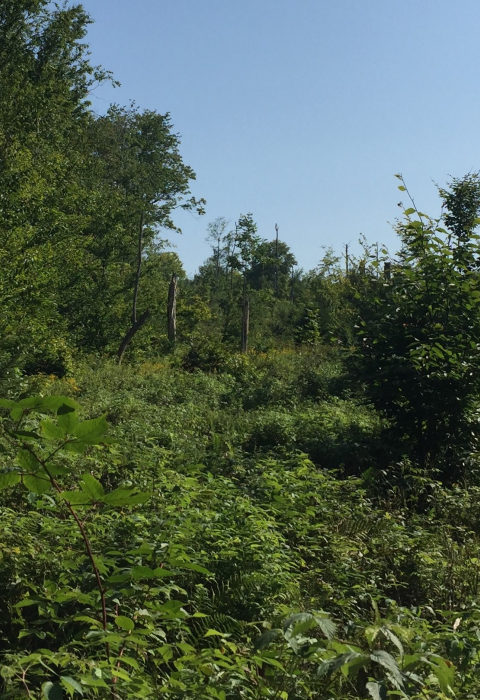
x=445, y=672
x=30, y=402
x=118, y=578
x=27, y=460
x=68, y=421
x=125, y=623
x=71, y=685
x=26, y=435
x=394, y=639
x=139, y=572
x=9, y=479
x=91, y=431
x=52, y=691
x=337, y=662
x=7, y=403
x=189, y=565
x=59, y=404
x=92, y=487
x=57, y=470
x=76, y=447
x=125, y=497
x=36, y=484
x=409, y=212
x=266, y=638
x=77, y=498
x=377, y=691
x=16, y=413
x=213, y=633
x=402, y=188
x=327, y=626
x=129, y=661
x=52, y=431
x=387, y=661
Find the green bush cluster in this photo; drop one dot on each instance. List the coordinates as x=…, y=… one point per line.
x=232, y=562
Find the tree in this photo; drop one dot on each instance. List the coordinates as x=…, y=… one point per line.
x=45, y=78
x=418, y=344
x=140, y=179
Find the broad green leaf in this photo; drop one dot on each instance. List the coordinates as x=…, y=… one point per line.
x=371, y=633
x=444, y=670
x=131, y=662
x=94, y=682
x=92, y=487
x=35, y=483
x=213, y=633
x=125, y=497
x=125, y=623
x=337, y=662
x=27, y=460
x=118, y=578
x=327, y=626
x=139, y=572
x=409, y=212
x=58, y=404
x=394, y=639
x=30, y=402
x=77, y=498
x=91, y=431
x=377, y=691
x=266, y=638
x=52, y=431
x=387, y=661
x=71, y=685
x=7, y=403
x=52, y=691
x=77, y=447
x=9, y=479
x=191, y=566
x=68, y=421
x=16, y=413
x=57, y=470
x=26, y=435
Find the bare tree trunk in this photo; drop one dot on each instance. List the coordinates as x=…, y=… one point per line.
x=172, y=309
x=136, y=324
x=245, y=324
x=139, y=268
x=276, y=260
x=134, y=329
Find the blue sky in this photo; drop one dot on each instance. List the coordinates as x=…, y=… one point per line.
x=302, y=111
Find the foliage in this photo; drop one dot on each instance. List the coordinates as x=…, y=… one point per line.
x=418, y=335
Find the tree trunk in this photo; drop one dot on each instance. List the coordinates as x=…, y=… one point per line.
x=136, y=324
x=126, y=341
x=245, y=324
x=172, y=309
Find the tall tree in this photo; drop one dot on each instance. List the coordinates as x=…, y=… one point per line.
x=45, y=78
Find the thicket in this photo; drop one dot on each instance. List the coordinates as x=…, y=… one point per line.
x=297, y=520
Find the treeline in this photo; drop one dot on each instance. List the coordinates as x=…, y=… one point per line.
x=75, y=189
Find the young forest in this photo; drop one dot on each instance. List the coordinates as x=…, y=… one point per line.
x=258, y=482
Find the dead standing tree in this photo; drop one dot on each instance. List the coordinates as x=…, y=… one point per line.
x=172, y=309
x=137, y=323
x=245, y=315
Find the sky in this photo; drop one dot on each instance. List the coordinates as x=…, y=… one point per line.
x=301, y=111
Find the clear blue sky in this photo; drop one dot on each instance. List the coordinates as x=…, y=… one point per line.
x=302, y=111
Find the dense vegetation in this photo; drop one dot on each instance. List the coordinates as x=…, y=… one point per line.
x=275, y=497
